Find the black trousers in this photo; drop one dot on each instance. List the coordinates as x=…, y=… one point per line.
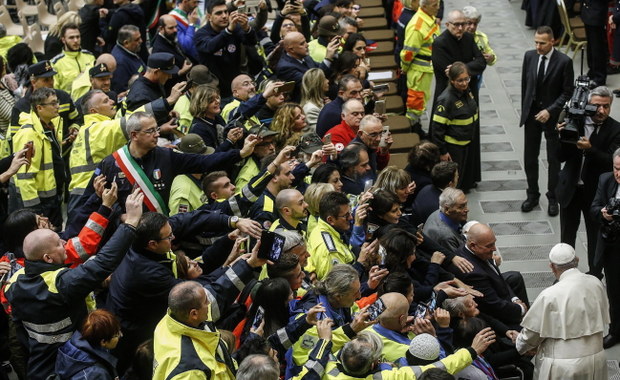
x=570, y=217
x=533, y=138
x=598, y=53
x=611, y=263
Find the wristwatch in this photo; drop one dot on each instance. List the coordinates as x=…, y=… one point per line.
x=232, y=221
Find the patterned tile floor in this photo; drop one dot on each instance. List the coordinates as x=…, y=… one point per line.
x=523, y=239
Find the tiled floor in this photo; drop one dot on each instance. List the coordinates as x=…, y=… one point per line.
x=523, y=239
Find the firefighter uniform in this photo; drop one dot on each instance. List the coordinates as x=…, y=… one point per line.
x=263, y=211
x=248, y=171
x=395, y=344
x=48, y=300
x=184, y=352
x=37, y=184
x=98, y=138
x=69, y=65
x=327, y=247
x=454, y=122
x=482, y=41
x=451, y=364
x=185, y=194
x=415, y=61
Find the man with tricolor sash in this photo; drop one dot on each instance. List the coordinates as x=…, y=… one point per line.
x=143, y=164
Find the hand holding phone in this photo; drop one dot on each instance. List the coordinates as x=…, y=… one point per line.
x=271, y=245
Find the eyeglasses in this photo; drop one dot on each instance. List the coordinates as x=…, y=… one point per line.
x=463, y=80
x=169, y=237
x=151, y=131
x=458, y=24
x=346, y=216
x=288, y=25
x=373, y=135
x=56, y=103
x=472, y=23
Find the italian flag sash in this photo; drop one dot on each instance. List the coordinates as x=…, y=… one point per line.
x=136, y=176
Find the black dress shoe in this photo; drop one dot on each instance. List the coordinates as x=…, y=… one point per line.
x=554, y=209
x=609, y=341
x=529, y=204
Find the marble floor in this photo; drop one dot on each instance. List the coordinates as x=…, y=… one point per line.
x=523, y=239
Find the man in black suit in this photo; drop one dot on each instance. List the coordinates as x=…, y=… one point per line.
x=608, y=244
x=166, y=42
x=584, y=164
x=295, y=61
x=501, y=301
x=594, y=17
x=546, y=84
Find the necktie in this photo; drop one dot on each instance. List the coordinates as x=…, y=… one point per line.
x=541, y=73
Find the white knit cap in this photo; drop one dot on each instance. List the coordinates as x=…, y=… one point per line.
x=561, y=253
x=425, y=347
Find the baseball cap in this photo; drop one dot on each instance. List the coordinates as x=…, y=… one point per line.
x=262, y=131
x=41, y=69
x=99, y=71
x=192, y=143
x=328, y=26
x=310, y=142
x=164, y=62
x=561, y=253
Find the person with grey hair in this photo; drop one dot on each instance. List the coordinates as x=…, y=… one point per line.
x=125, y=51
x=584, y=162
x=473, y=17
x=337, y=293
x=359, y=358
x=159, y=165
x=566, y=322
x=258, y=367
x=445, y=224
x=608, y=243
x=352, y=115
x=376, y=141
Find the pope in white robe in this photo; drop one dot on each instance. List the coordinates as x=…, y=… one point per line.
x=566, y=323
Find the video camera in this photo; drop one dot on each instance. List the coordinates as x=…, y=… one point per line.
x=576, y=110
x=611, y=230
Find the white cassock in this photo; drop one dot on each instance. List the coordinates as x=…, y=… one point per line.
x=566, y=324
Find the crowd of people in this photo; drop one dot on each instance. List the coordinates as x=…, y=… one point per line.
x=195, y=195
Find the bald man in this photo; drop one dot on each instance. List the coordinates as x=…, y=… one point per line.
x=292, y=209
x=246, y=102
x=392, y=327
x=295, y=61
x=504, y=300
x=48, y=299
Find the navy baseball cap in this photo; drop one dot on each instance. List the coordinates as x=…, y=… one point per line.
x=164, y=62
x=99, y=71
x=41, y=69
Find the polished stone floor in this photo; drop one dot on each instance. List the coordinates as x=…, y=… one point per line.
x=523, y=239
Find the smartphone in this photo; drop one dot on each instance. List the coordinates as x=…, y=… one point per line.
x=286, y=87
x=258, y=318
x=380, y=107
x=242, y=9
x=420, y=311
x=368, y=184
x=327, y=139
x=29, y=153
x=375, y=310
x=384, y=134
x=381, y=88
x=271, y=245
x=420, y=228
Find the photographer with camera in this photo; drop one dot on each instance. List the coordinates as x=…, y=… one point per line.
x=586, y=158
x=606, y=210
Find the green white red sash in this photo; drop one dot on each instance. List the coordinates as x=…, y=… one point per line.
x=136, y=176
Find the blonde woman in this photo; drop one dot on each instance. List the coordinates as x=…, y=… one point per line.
x=289, y=121
x=314, y=85
x=53, y=45
x=312, y=196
